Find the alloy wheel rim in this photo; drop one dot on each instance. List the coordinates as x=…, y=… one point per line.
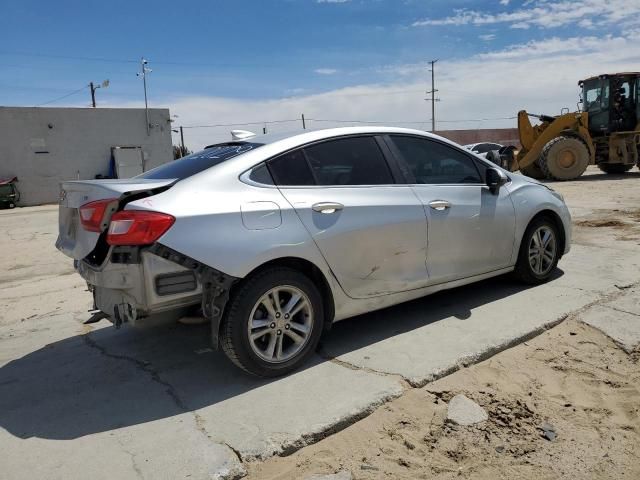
x=542, y=250
x=280, y=324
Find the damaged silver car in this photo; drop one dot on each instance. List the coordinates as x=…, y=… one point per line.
x=273, y=238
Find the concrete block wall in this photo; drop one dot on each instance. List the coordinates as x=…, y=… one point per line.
x=45, y=146
x=503, y=136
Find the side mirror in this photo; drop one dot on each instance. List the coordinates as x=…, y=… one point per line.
x=495, y=179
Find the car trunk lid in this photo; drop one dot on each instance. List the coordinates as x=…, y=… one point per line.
x=73, y=239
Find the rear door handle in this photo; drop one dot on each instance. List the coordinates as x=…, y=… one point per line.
x=327, y=207
x=440, y=205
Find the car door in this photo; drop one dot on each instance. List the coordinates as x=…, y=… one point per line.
x=371, y=230
x=471, y=230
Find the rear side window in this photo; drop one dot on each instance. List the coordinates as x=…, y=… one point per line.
x=200, y=161
x=349, y=161
x=434, y=163
x=260, y=174
x=291, y=169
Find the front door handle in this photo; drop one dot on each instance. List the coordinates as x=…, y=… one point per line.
x=440, y=205
x=327, y=207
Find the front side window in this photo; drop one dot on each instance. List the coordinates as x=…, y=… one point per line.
x=596, y=95
x=348, y=161
x=435, y=163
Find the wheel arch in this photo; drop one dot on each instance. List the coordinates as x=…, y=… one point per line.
x=557, y=221
x=307, y=268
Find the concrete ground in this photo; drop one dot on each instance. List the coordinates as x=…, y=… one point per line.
x=157, y=402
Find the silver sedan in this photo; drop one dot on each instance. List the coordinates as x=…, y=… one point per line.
x=273, y=238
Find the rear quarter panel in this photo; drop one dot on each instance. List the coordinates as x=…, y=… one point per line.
x=231, y=226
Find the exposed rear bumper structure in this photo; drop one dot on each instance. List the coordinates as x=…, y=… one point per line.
x=136, y=284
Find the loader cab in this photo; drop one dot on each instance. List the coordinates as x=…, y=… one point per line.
x=612, y=102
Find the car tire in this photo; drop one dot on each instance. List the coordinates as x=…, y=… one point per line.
x=535, y=266
x=12, y=205
x=615, y=168
x=258, y=342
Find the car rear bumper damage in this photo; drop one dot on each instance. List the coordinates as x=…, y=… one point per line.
x=134, y=284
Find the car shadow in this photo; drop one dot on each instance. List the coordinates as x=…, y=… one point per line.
x=108, y=379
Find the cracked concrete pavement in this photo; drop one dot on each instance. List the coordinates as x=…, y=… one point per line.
x=157, y=402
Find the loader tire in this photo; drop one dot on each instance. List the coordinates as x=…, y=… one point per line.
x=564, y=158
x=533, y=171
x=615, y=167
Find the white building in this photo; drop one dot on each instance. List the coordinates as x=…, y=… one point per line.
x=44, y=146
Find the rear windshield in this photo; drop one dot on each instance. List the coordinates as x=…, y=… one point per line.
x=200, y=161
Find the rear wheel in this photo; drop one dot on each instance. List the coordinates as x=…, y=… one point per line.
x=12, y=205
x=539, y=252
x=615, y=167
x=273, y=322
x=564, y=158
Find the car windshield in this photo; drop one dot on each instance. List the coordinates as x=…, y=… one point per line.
x=200, y=161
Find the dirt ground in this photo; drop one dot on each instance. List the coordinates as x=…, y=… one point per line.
x=572, y=379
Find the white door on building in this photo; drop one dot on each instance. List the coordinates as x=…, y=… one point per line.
x=129, y=161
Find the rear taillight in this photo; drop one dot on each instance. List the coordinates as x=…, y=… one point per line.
x=92, y=214
x=137, y=227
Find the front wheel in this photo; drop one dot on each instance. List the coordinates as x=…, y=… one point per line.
x=273, y=322
x=564, y=158
x=539, y=252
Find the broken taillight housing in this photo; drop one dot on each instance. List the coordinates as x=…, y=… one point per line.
x=137, y=227
x=92, y=214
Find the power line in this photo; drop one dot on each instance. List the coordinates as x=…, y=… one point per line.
x=63, y=96
x=68, y=57
x=241, y=124
x=379, y=122
x=412, y=121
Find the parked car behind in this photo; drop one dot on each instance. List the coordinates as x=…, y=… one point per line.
x=9, y=194
x=278, y=236
x=483, y=148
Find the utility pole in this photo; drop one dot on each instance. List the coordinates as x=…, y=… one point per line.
x=304, y=124
x=184, y=150
x=433, y=95
x=93, y=88
x=143, y=73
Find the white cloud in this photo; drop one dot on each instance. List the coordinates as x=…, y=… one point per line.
x=539, y=76
x=554, y=46
x=549, y=14
x=332, y=1
x=487, y=37
x=504, y=2
x=326, y=71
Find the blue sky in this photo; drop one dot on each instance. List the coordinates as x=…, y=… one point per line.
x=263, y=50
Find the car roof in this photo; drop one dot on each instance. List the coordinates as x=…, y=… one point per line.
x=325, y=133
x=277, y=143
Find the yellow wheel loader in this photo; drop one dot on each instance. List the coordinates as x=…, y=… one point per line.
x=606, y=132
